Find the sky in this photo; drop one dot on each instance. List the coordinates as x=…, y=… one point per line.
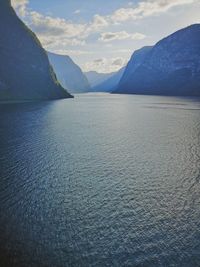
x=101, y=35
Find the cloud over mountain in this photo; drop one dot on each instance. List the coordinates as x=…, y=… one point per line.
x=49, y=28
x=79, y=32
x=122, y=35
x=106, y=64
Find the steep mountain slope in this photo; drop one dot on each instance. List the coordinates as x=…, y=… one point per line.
x=96, y=78
x=172, y=67
x=111, y=83
x=136, y=60
x=69, y=74
x=25, y=72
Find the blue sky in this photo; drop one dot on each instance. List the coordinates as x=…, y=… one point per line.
x=101, y=35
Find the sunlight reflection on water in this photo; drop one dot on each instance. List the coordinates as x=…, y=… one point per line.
x=101, y=180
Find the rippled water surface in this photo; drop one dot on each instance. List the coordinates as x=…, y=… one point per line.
x=101, y=180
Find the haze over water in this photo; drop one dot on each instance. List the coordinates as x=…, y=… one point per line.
x=101, y=180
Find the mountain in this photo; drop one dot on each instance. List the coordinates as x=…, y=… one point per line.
x=109, y=84
x=69, y=74
x=96, y=78
x=171, y=67
x=136, y=60
x=25, y=72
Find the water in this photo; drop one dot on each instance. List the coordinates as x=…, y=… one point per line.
x=101, y=180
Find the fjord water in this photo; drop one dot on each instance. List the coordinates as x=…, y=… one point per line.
x=100, y=180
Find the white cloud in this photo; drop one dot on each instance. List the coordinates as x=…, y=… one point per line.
x=61, y=42
x=77, y=11
x=126, y=51
x=55, y=31
x=111, y=36
x=20, y=6
x=49, y=26
x=118, y=62
x=70, y=52
x=105, y=64
x=63, y=36
x=99, y=21
x=61, y=31
x=17, y=3
x=145, y=9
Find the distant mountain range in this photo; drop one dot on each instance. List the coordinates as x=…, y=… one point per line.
x=25, y=72
x=171, y=67
x=69, y=74
x=96, y=78
x=111, y=83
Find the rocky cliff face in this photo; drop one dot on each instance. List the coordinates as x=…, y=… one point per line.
x=69, y=74
x=171, y=67
x=25, y=72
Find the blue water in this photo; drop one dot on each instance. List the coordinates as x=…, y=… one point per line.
x=100, y=180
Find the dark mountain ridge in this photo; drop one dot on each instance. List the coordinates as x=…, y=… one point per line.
x=171, y=67
x=25, y=72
